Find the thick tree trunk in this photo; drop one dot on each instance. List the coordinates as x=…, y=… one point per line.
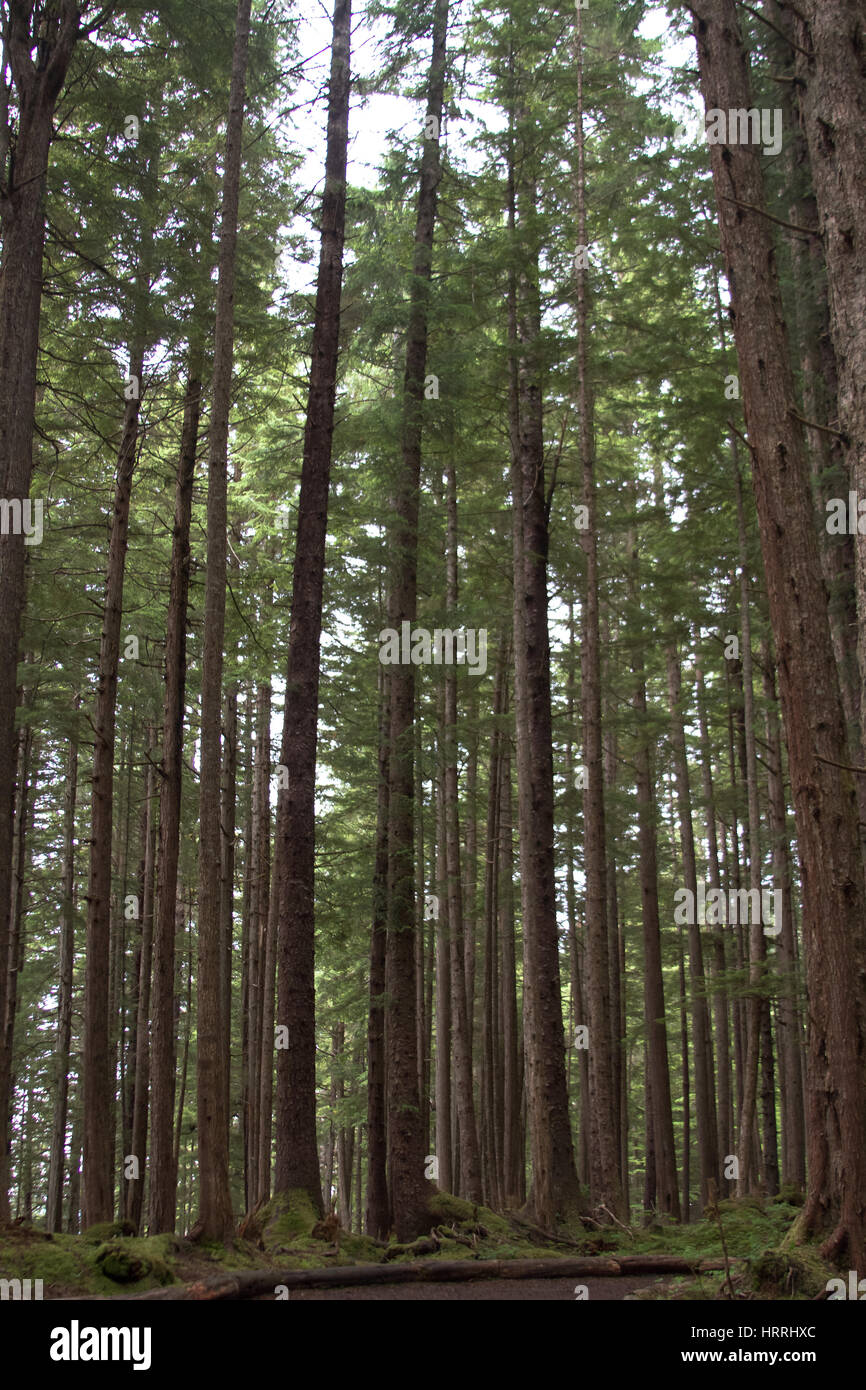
x=22, y=222
x=216, y=1221
x=832, y=97
x=555, y=1190
x=297, y=1159
x=825, y=800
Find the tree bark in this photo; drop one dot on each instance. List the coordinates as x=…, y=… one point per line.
x=98, y=1074
x=297, y=1159
x=825, y=801
x=163, y=1171
x=470, y=1165
x=216, y=1220
x=54, y=1201
x=405, y=1130
x=22, y=223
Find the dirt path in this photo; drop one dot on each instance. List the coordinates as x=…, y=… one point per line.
x=481, y=1290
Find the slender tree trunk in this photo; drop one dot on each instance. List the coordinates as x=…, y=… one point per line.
x=470, y=1166
x=54, y=1202
x=444, y=993
x=98, y=1074
x=663, y=1188
x=705, y=1104
x=790, y=1059
x=378, y=1217
x=605, y=1178
x=163, y=1169
x=260, y=870
x=228, y=827
x=720, y=996
x=216, y=1220
x=405, y=1130
x=135, y=1186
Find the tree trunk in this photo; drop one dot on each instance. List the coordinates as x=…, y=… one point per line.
x=54, y=1202
x=605, y=1178
x=22, y=223
x=98, y=1074
x=215, y=1203
x=664, y=1189
x=833, y=106
x=790, y=1059
x=705, y=1101
x=163, y=1171
x=470, y=1166
x=378, y=1219
x=297, y=1159
x=405, y=1130
x=825, y=801
x=135, y=1186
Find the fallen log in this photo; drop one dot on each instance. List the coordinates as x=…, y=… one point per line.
x=252, y=1284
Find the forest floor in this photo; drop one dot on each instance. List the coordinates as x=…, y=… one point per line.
x=286, y=1237
x=492, y=1290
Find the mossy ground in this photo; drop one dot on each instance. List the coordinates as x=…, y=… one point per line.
x=288, y=1234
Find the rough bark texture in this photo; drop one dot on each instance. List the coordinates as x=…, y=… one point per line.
x=555, y=1190
x=54, y=1202
x=378, y=1211
x=825, y=800
x=470, y=1165
x=215, y=1203
x=163, y=1171
x=22, y=221
x=705, y=1102
x=665, y=1196
x=405, y=1128
x=98, y=1072
x=605, y=1178
x=832, y=92
x=297, y=1159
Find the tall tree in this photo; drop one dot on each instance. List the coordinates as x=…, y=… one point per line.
x=405, y=1129
x=215, y=1203
x=825, y=801
x=37, y=84
x=297, y=1159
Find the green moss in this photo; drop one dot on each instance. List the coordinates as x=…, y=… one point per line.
x=107, y=1230
x=66, y=1263
x=361, y=1248
x=786, y=1274
x=790, y=1195
x=286, y=1217
x=120, y=1264
x=443, y=1207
